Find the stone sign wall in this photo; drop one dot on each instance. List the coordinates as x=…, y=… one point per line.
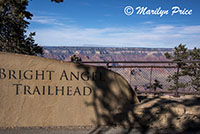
x=36, y=91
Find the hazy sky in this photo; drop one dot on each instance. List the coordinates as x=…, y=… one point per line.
x=104, y=23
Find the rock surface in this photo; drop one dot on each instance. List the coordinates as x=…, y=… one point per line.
x=167, y=112
x=36, y=91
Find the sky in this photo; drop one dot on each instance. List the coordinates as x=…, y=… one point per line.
x=116, y=23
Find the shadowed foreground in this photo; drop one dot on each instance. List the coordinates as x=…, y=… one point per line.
x=74, y=130
x=160, y=114
x=164, y=115
x=153, y=113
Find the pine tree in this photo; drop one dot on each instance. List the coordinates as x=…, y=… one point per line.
x=13, y=26
x=180, y=54
x=193, y=69
x=155, y=86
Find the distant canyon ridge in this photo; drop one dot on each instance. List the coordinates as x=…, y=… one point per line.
x=107, y=53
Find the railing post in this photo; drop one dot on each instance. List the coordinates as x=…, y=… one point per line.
x=107, y=65
x=130, y=77
x=177, y=81
x=151, y=78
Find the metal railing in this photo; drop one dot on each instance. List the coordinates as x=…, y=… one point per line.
x=142, y=74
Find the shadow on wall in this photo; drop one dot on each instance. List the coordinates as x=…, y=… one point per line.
x=121, y=108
